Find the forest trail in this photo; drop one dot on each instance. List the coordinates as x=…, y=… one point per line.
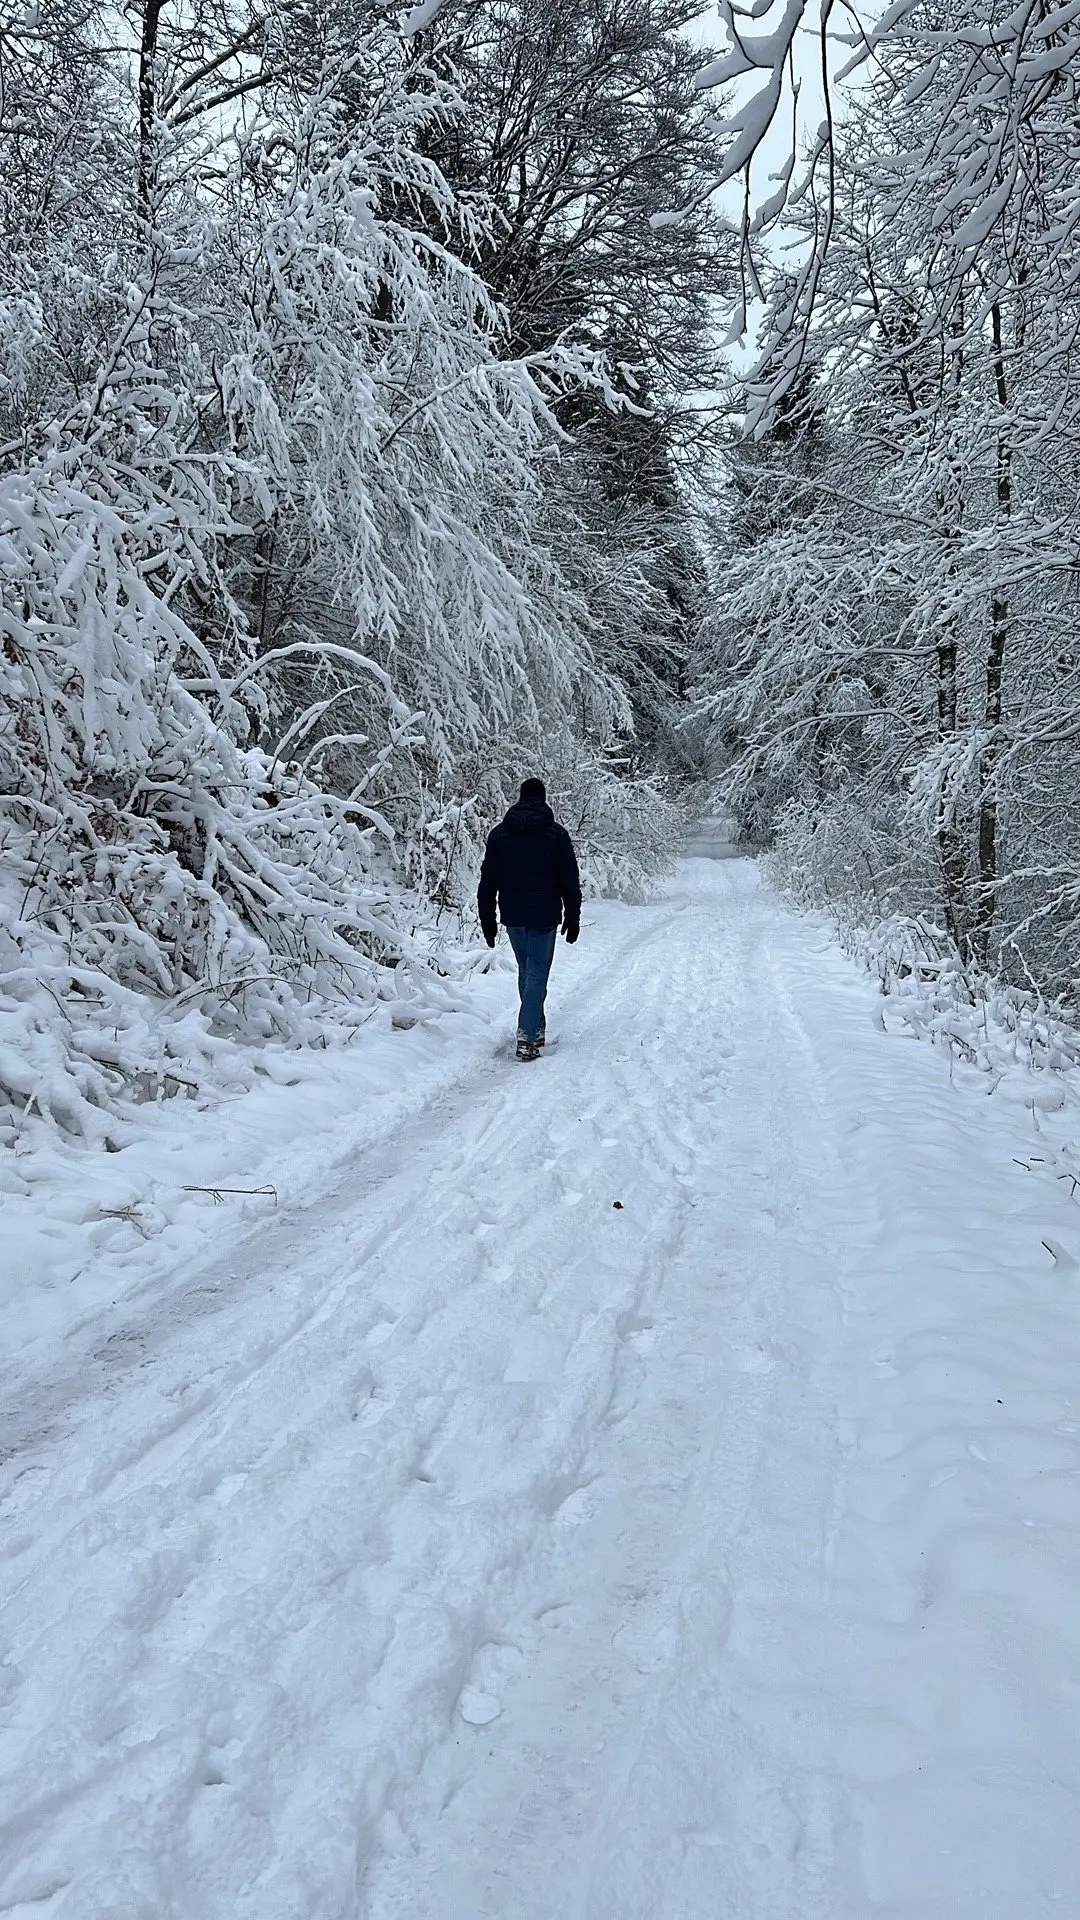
x=647, y=1490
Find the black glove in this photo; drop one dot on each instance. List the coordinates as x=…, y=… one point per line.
x=489, y=935
x=571, y=928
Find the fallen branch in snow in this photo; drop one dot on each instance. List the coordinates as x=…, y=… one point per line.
x=218, y=1194
x=130, y=1215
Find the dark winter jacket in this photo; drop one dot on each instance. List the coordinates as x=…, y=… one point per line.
x=530, y=868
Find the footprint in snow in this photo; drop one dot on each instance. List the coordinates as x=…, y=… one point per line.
x=577, y=1507
x=377, y=1335
x=481, y=1699
x=477, y=1708
x=641, y=1333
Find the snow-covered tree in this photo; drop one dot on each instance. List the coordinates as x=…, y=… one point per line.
x=903, y=626
x=278, y=573
x=579, y=126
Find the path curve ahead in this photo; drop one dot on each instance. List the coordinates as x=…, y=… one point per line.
x=649, y=1491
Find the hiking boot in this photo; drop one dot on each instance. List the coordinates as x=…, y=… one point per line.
x=529, y=1049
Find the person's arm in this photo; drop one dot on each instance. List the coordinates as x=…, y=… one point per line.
x=487, y=892
x=570, y=888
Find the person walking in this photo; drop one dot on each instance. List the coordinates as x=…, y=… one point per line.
x=530, y=874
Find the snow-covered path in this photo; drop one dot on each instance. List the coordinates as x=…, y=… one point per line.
x=648, y=1488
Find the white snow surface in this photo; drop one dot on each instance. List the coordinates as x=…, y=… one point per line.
x=644, y=1485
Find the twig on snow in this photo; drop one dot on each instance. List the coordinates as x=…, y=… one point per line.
x=218, y=1194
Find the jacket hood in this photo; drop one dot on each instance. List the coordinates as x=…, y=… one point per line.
x=529, y=816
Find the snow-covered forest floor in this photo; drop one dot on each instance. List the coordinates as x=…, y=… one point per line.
x=640, y=1486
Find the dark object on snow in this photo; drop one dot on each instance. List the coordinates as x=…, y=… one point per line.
x=618, y=1205
x=530, y=872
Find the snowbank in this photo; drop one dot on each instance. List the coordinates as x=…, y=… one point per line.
x=79, y=1228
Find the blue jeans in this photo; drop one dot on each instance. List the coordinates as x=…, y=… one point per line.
x=534, y=950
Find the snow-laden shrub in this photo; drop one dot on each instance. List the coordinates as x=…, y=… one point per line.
x=628, y=831
x=164, y=892
x=860, y=862
x=993, y=1024
x=857, y=868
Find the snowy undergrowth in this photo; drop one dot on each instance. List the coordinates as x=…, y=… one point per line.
x=628, y=833
x=1009, y=1041
x=850, y=870
x=82, y=1054
x=991, y=1024
x=198, y=1173
x=1023, y=1049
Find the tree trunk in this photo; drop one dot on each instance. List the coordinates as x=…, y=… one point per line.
x=952, y=850
x=148, y=48
x=949, y=835
x=995, y=665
